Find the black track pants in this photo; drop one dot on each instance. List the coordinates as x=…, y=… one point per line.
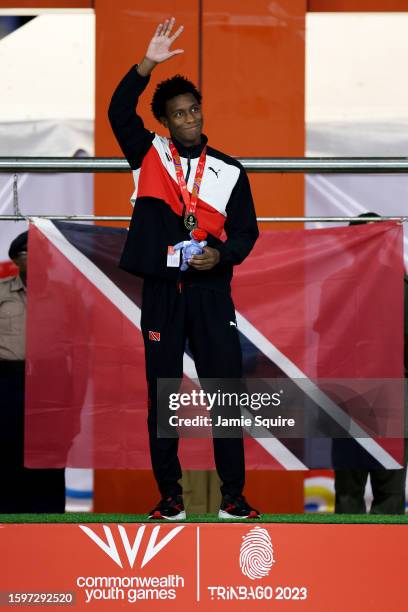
x=205, y=318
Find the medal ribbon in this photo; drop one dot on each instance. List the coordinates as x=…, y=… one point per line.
x=189, y=202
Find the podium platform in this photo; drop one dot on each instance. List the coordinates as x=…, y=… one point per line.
x=112, y=562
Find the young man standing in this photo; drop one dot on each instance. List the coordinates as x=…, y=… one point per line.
x=184, y=187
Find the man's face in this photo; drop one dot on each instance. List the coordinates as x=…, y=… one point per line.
x=20, y=261
x=184, y=119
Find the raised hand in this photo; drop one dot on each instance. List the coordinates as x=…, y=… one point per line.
x=159, y=47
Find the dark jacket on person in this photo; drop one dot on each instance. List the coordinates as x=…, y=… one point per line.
x=225, y=207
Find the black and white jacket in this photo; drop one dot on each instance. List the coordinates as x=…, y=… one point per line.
x=225, y=208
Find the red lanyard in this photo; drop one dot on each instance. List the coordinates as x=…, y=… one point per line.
x=190, y=202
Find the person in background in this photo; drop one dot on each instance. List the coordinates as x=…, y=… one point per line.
x=388, y=486
x=22, y=490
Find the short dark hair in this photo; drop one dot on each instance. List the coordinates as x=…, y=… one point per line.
x=166, y=90
x=18, y=245
x=362, y=218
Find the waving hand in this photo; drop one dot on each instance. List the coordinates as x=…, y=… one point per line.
x=159, y=47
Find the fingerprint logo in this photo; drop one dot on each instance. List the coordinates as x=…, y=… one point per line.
x=256, y=555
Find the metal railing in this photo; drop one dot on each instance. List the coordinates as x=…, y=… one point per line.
x=304, y=165
x=308, y=165
x=90, y=218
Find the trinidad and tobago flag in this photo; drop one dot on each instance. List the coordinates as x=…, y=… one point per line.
x=311, y=305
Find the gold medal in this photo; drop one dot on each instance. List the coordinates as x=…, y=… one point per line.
x=190, y=221
x=190, y=202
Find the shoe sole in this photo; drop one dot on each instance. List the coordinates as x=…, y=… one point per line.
x=178, y=517
x=226, y=515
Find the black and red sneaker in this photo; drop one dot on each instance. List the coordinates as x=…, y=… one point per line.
x=170, y=508
x=236, y=507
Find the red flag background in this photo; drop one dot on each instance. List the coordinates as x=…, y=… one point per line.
x=314, y=303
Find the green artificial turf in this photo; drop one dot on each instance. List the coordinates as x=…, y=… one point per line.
x=85, y=517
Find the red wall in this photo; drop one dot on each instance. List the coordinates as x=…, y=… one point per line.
x=56, y=4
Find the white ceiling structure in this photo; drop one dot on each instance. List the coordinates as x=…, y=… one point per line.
x=357, y=105
x=355, y=67
x=47, y=72
x=48, y=69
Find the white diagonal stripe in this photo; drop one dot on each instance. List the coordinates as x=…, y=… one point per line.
x=269, y=443
x=313, y=391
x=130, y=310
x=89, y=270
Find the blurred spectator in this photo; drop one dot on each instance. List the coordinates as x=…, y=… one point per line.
x=388, y=486
x=21, y=489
